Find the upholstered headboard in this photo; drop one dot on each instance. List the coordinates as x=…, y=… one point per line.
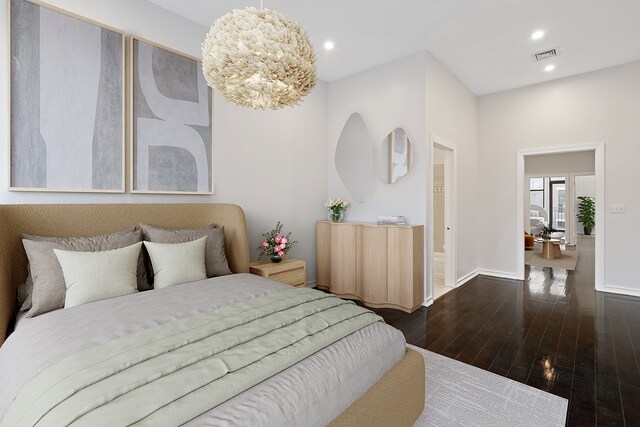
x=88, y=220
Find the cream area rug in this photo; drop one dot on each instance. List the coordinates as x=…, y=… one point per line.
x=568, y=261
x=458, y=394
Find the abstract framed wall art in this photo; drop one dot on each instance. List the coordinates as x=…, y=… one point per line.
x=171, y=124
x=67, y=101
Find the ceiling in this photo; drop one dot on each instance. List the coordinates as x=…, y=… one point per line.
x=486, y=43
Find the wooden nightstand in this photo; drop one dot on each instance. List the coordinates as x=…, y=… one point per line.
x=290, y=271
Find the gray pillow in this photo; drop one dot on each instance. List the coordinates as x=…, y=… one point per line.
x=24, y=295
x=215, y=257
x=48, y=280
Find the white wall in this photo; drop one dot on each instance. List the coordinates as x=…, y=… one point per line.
x=452, y=114
x=560, y=164
x=272, y=163
x=602, y=106
x=387, y=97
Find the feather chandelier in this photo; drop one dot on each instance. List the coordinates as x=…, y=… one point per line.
x=259, y=58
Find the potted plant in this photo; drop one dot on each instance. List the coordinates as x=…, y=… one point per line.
x=545, y=231
x=336, y=208
x=275, y=244
x=587, y=213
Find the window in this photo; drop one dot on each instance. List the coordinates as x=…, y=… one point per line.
x=536, y=191
x=557, y=202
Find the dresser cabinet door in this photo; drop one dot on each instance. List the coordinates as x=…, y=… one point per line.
x=372, y=264
x=400, y=275
x=342, y=257
x=323, y=255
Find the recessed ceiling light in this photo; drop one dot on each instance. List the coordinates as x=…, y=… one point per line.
x=537, y=35
x=328, y=45
x=549, y=68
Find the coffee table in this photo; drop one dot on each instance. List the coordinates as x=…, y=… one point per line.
x=550, y=248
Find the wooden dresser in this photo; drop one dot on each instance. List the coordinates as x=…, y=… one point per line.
x=380, y=265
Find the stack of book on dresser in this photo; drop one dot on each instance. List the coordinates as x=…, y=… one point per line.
x=392, y=220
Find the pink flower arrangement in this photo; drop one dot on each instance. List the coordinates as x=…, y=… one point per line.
x=275, y=243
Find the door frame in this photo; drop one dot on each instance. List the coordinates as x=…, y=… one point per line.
x=599, y=149
x=451, y=215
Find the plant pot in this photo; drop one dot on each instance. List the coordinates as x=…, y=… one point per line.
x=275, y=258
x=587, y=231
x=336, y=216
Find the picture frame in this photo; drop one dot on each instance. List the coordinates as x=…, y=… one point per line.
x=66, y=130
x=170, y=121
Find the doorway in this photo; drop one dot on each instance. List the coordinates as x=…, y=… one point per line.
x=563, y=200
x=441, y=234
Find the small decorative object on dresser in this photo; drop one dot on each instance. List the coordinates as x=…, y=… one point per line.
x=337, y=208
x=392, y=220
x=291, y=271
x=275, y=244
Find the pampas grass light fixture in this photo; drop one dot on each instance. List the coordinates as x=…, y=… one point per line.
x=259, y=58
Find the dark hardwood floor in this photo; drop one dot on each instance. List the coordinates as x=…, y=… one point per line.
x=552, y=332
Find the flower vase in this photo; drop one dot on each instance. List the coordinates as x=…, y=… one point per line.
x=336, y=215
x=275, y=258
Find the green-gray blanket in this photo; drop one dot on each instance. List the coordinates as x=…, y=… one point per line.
x=172, y=373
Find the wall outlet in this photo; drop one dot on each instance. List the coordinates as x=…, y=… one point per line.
x=616, y=209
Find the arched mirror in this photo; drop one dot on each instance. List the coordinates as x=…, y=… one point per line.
x=354, y=157
x=396, y=156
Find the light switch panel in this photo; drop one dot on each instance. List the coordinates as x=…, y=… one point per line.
x=616, y=209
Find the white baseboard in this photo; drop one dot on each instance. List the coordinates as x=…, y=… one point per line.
x=467, y=277
x=622, y=291
x=500, y=274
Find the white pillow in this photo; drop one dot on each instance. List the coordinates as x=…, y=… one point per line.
x=93, y=276
x=176, y=263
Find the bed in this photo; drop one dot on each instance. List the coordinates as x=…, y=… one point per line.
x=367, y=378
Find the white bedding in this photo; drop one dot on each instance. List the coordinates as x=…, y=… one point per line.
x=311, y=393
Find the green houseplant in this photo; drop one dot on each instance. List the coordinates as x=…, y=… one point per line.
x=545, y=231
x=587, y=213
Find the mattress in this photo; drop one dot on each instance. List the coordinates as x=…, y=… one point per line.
x=310, y=393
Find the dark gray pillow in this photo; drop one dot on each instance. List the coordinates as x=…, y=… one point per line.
x=49, y=288
x=24, y=295
x=215, y=257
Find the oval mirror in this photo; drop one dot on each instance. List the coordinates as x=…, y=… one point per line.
x=396, y=156
x=354, y=157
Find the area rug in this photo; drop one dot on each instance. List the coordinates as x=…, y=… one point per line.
x=568, y=261
x=458, y=394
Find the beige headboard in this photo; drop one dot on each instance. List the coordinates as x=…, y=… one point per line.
x=88, y=220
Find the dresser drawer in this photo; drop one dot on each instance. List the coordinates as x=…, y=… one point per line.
x=295, y=277
x=289, y=271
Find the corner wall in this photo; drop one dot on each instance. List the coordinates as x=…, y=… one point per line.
x=420, y=95
x=602, y=106
x=272, y=163
x=452, y=114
